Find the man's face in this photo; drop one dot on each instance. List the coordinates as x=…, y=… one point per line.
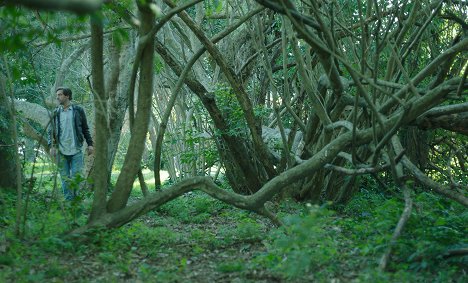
x=61, y=98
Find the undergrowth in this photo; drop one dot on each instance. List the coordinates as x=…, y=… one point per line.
x=198, y=239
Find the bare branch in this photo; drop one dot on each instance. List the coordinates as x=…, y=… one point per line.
x=445, y=110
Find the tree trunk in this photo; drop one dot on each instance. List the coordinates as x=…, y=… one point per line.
x=8, y=178
x=415, y=141
x=131, y=165
x=102, y=129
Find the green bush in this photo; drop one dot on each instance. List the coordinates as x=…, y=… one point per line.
x=306, y=244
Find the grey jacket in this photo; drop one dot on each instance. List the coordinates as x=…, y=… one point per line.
x=79, y=122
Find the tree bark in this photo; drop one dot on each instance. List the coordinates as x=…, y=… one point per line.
x=457, y=122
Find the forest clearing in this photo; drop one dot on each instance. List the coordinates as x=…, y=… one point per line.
x=233, y=141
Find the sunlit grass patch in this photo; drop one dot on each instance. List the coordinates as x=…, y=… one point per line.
x=40, y=168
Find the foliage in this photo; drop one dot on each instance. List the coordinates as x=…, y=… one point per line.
x=318, y=243
x=309, y=242
x=25, y=26
x=232, y=111
x=30, y=70
x=435, y=227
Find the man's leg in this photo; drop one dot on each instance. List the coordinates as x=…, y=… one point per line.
x=64, y=169
x=76, y=172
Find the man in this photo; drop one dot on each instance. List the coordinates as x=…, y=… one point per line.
x=69, y=128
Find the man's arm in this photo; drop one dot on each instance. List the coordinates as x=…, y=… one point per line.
x=85, y=128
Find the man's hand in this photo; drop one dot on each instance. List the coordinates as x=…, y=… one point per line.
x=53, y=152
x=90, y=150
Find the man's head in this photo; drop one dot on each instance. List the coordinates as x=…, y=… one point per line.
x=64, y=95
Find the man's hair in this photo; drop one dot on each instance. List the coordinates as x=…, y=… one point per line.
x=66, y=91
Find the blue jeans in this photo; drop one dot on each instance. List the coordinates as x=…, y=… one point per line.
x=70, y=167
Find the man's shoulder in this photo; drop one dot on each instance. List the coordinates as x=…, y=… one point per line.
x=78, y=108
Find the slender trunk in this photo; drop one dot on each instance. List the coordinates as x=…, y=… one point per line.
x=118, y=103
x=102, y=129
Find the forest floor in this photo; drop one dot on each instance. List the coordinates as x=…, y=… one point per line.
x=197, y=239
